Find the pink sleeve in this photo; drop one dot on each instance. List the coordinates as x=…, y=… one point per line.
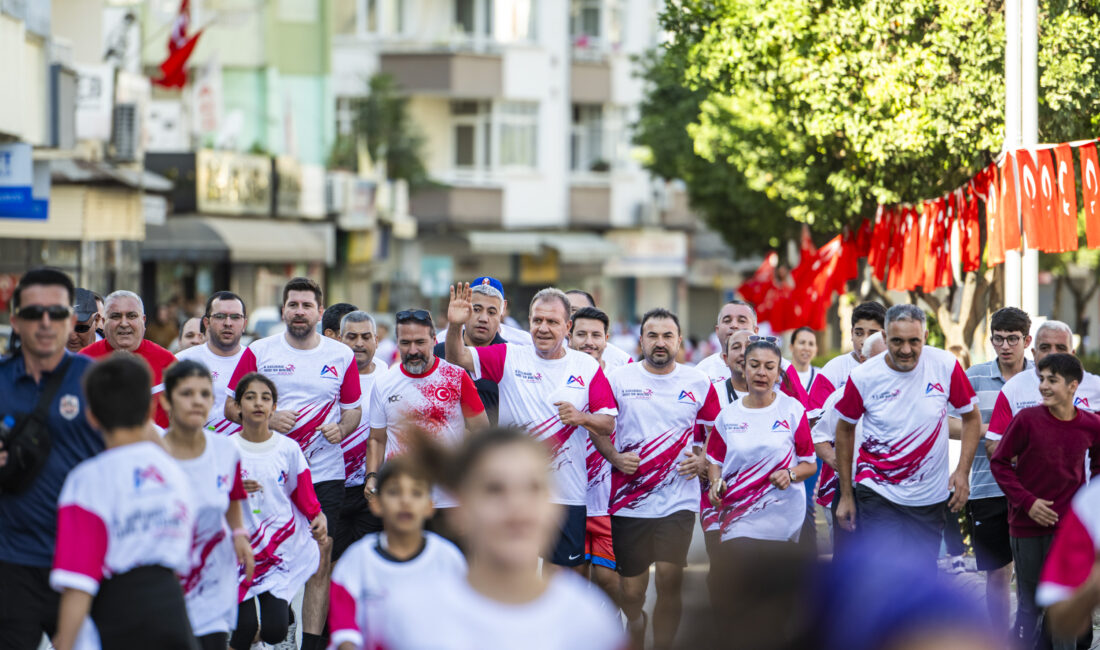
x=716, y=447
x=351, y=392
x=962, y=393
x=850, y=407
x=1069, y=562
x=699, y=435
x=246, y=365
x=1000, y=419
x=471, y=401
x=803, y=443
x=237, y=493
x=304, y=497
x=601, y=399
x=341, y=612
x=81, y=546
x=793, y=387
x=820, y=391
x=491, y=360
x=708, y=413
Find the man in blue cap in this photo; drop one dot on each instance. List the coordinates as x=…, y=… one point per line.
x=484, y=328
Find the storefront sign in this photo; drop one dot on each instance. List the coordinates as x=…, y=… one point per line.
x=24, y=184
x=233, y=183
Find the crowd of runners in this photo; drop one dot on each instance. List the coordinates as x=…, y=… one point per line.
x=490, y=487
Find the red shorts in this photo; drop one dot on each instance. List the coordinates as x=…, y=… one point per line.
x=597, y=541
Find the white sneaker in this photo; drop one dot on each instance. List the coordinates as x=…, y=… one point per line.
x=958, y=565
x=289, y=643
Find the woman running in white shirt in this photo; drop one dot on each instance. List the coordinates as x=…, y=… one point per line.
x=501, y=481
x=282, y=512
x=213, y=466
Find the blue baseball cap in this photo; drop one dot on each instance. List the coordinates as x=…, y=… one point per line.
x=492, y=282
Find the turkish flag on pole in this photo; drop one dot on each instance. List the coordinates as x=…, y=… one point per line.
x=756, y=288
x=1047, y=198
x=1090, y=193
x=944, y=277
x=174, y=69
x=995, y=242
x=1010, y=220
x=880, y=242
x=1066, y=203
x=971, y=234
x=895, y=259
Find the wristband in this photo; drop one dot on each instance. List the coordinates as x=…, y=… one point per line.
x=238, y=532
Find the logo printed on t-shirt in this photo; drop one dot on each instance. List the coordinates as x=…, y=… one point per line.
x=330, y=371
x=1081, y=401
x=737, y=427
x=529, y=377
x=936, y=387
x=887, y=395
x=223, y=481
x=146, y=475
x=687, y=397
x=69, y=406
x=573, y=381
x=637, y=393
x=277, y=369
x=781, y=425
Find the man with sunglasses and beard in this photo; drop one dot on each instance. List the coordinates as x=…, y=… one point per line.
x=319, y=405
x=42, y=316
x=85, y=332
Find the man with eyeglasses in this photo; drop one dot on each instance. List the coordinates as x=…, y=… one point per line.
x=125, y=330
x=422, y=391
x=87, y=321
x=319, y=405
x=28, y=520
x=224, y=321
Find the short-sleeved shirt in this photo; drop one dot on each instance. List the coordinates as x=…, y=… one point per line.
x=1022, y=391
x=658, y=417
x=832, y=377
x=987, y=381
x=903, y=453
x=158, y=359
x=716, y=369
x=598, y=495
x=28, y=521
x=221, y=370
x=317, y=383
x=128, y=507
x=354, y=445
x=824, y=430
x=486, y=390
x=529, y=388
x=750, y=444
x=1074, y=551
x=438, y=401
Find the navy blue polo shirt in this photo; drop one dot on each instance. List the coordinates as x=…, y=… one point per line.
x=28, y=521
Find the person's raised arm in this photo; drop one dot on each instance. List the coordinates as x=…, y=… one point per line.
x=458, y=312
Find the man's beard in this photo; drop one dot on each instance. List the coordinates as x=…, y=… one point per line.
x=415, y=363
x=299, y=330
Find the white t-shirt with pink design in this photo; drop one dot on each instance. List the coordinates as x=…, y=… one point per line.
x=354, y=445
x=221, y=370
x=1075, y=548
x=599, y=468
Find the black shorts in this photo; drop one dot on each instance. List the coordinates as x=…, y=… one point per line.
x=330, y=494
x=28, y=606
x=640, y=542
x=356, y=520
x=569, y=550
x=990, y=532
x=143, y=608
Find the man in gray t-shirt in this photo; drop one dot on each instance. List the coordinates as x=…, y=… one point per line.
x=988, y=508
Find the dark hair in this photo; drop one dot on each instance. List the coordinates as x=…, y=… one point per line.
x=659, y=312
x=401, y=466
x=119, y=391
x=794, y=334
x=581, y=292
x=412, y=316
x=1010, y=319
x=590, y=313
x=762, y=344
x=1065, y=365
x=181, y=370
x=870, y=310
x=451, y=467
x=303, y=284
x=330, y=320
x=43, y=276
x=224, y=295
x=242, y=386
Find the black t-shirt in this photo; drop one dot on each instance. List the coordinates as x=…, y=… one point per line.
x=486, y=390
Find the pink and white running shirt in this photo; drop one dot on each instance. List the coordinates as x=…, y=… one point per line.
x=355, y=445
x=708, y=514
x=658, y=417
x=903, y=453
x=828, y=482
x=210, y=587
x=316, y=383
x=438, y=401
x=832, y=377
x=366, y=575
x=127, y=507
x=221, y=370
x=1022, y=391
x=599, y=468
x=277, y=516
x=529, y=388
x=1074, y=551
x=750, y=444
x=568, y=614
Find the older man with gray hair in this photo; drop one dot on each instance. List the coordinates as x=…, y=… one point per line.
x=556, y=393
x=901, y=478
x=124, y=329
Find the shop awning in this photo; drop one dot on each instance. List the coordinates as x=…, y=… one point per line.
x=183, y=239
x=504, y=243
x=576, y=247
x=200, y=238
x=572, y=247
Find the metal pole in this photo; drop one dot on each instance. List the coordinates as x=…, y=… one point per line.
x=1013, y=64
x=1029, y=135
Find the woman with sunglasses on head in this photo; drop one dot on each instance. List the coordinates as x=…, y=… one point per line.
x=212, y=464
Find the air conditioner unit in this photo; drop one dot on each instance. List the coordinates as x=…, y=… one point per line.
x=124, y=133
x=62, y=107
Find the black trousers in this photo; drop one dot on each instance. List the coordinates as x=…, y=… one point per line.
x=28, y=606
x=142, y=608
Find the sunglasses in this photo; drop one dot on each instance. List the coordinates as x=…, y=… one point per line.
x=418, y=315
x=35, y=312
x=767, y=339
x=81, y=328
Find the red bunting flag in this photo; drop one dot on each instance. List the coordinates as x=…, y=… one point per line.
x=1009, y=219
x=1048, y=220
x=1066, y=205
x=943, y=260
x=756, y=288
x=895, y=279
x=995, y=242
x=1090, y=193
x=173, y=71
x=971, y=234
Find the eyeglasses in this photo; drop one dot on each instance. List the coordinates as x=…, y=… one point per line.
x=235, y=318
x=81, y=328
x=1012, y=339
x=418, y=315
x=35, y=312
x=753, y=338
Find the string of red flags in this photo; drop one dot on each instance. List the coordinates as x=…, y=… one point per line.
x=1025, y=198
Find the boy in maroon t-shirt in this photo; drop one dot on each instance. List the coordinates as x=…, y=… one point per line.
x=1048, y=443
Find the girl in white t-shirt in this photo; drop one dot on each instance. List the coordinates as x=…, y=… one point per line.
x=282, y=513
x=213, y=466
x=501, y=481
